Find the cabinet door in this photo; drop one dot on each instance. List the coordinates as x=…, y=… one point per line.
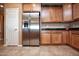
x=58, y=14
x=75, y=11
x=67, y=12
x=56, y=37
x=36, y=7
x=45, y=15
x=52, y=14
x=66, y=37
x=45, y=37
x=75, y=40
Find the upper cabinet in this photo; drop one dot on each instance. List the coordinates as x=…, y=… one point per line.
x=67, y=12
x=45, y=14
x=56, y=14
x=51, y=14
x=75, y=11
x=31, y=7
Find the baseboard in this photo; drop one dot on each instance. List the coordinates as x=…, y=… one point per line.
x=19, y=45
x=5, y=45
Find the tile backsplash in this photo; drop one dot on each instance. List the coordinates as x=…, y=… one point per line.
x=60, y=25
x=74, y=25
x=55, y=25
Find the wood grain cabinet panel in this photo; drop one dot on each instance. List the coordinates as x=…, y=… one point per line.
x=45, y=15
x=1, y=26
x=67, y=12
x=56, y=14
x=27, y=7
x=66, y=37
x=56, y=37
x=45, y=37
x=75, y=40
x=31, y=7
x=76, y=11
x=52, y=14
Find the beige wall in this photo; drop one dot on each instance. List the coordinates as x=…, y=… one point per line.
x=16, y=5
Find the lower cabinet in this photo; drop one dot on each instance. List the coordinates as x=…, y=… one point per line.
x=51, y=37
x=45, y=37
x=66, y=37
x=60, y=37
x=56, y=37
x=75, y=40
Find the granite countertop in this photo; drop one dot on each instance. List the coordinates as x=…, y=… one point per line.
x=59, y=29
x=53, y=28
x=73, y=28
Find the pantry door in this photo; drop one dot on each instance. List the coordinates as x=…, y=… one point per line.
x=12, y=26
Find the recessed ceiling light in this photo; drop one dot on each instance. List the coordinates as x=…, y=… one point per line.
x=1, y=6
x=34, y=5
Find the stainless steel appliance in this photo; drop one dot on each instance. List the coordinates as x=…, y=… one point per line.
x=30, y=29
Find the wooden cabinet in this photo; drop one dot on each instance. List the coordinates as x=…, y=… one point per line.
x=76, y=11
x=56, y=37
x=67, y=12
x=45, y=15
x=59, y=14
x=45, y=37
x=1, y=27
x=31, y=7
x=74, y=39
x=51, y=14
x=66, y=37
x=27, y=7
x=56, y=14
x=1, y=22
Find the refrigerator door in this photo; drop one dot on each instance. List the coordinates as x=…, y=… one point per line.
x=34, y=29
x=25, y=29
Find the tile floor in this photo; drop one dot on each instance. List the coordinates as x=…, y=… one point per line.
x=39, y=51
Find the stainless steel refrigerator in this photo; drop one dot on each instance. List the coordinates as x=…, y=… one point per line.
x=31, y=29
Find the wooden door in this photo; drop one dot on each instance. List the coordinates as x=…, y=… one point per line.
x=56, y=37
x=45, y=37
